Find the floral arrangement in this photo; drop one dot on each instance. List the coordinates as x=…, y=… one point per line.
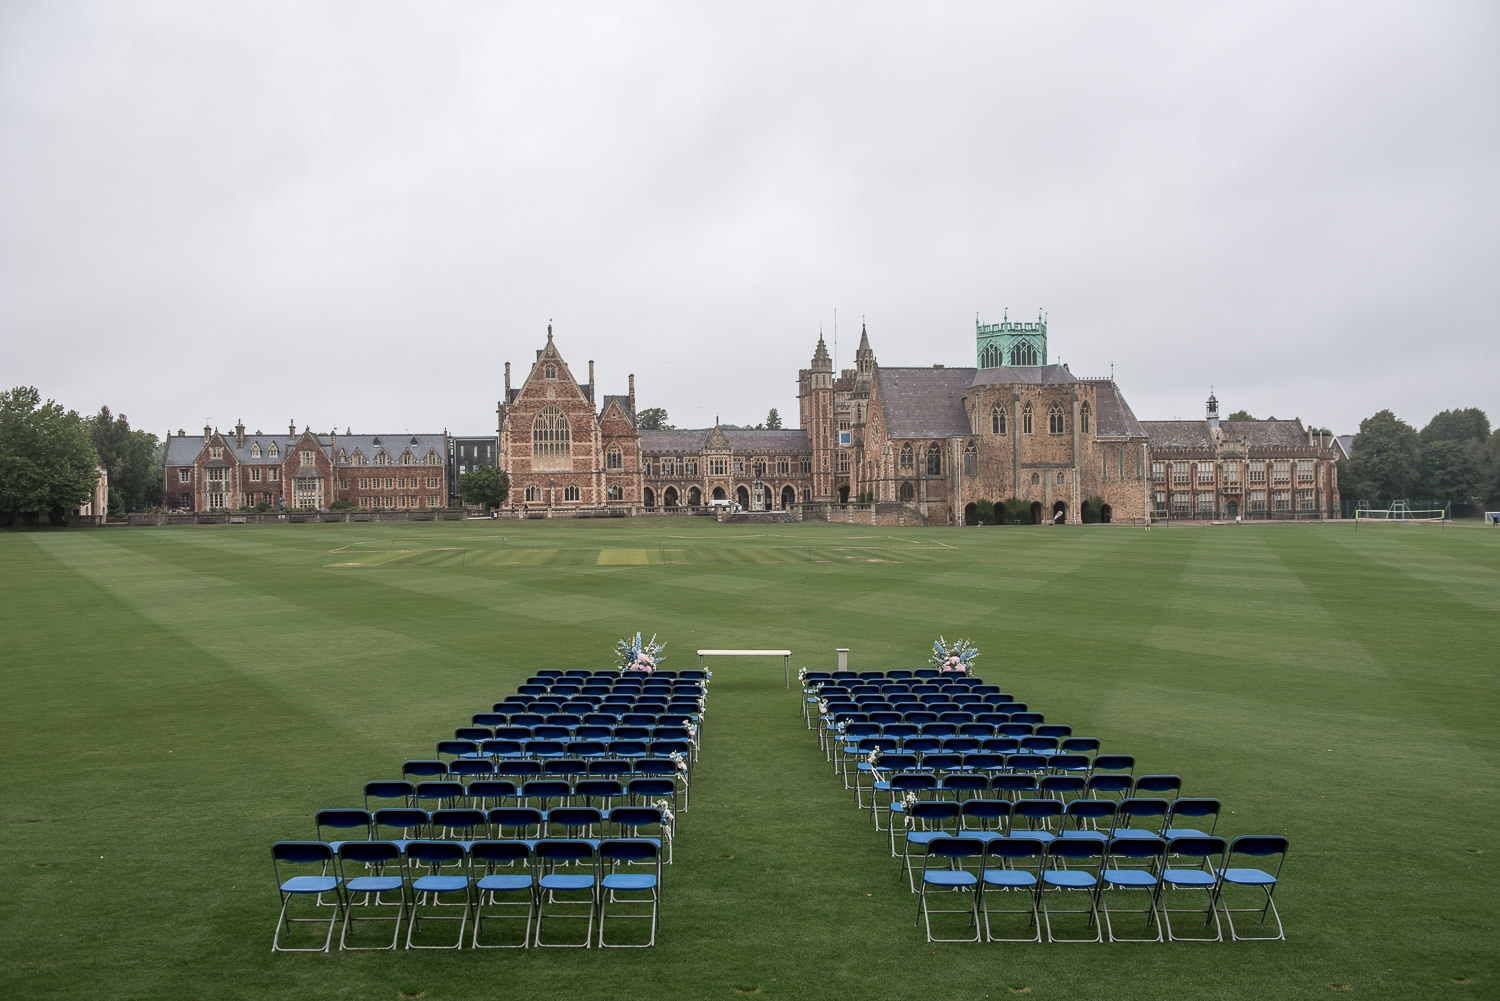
x=636, y=655
x=957, y=657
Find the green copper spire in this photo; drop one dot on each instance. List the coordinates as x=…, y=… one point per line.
x=1010, y=344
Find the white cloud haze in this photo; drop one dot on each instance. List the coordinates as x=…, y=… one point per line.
x=353, y=214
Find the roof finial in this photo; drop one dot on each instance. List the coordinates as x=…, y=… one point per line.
x=549, y=330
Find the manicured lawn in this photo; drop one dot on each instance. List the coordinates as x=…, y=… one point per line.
x=180, y=698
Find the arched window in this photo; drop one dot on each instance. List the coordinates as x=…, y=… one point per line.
x=1083, y=418
x=906, y=458
x=997, y=420
x=934, y=460
x=908, y=492
x=1026, y=418
x=971, y=459
x=551, y=442
x=990, y=357
x=1055, y=419
x=1024, y=354
x=533, y=494
x=551, y=372
x=614, y=459
x=616, y=493
x=570, y=492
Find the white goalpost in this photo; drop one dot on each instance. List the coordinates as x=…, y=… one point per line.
x=1399, y=513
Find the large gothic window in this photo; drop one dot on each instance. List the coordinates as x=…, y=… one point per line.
x=1055, y=419
x=1024, y=354
x=1083, y=418
x=971, y=459
x=1026, y=419
x=908, y=492
x=551, y=442
x=997, y=420
x=906, y=459
x=991, y=357
x=934, y=460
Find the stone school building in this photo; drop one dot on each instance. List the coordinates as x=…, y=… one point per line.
x=936, y=441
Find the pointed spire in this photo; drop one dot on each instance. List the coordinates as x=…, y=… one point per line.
x=820, y=359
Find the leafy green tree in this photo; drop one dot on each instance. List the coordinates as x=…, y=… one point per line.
x=47, y=462
x=484, y=486
x=132, y=459
x=1451, y=471
x=1240, y=415
x=1386, y=461
x=773, y=420
x=1470, y=424
x=653, y=419
x=984, y=512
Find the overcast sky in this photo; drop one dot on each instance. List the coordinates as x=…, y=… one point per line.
x=352, y=214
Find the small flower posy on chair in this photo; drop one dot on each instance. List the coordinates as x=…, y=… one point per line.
x=956, y=657
x=635, y=655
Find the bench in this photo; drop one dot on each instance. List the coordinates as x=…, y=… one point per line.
x=786, y=655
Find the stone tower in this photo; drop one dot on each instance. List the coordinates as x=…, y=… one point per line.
x=1010, y=343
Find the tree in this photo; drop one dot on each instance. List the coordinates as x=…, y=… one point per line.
x=1451, y=471
x=484, y=486
x=1470, y=424
x=773, y=420
x=1240, y=415
x=47, y=462
x=1385, y=462
x=653, y=419
x=132, y=459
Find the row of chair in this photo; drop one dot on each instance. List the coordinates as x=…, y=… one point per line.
x=1033, y=783
x=1006, y=878
x=420, y=884
x=520, y=821
x=627, y=787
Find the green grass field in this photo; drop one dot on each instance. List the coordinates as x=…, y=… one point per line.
x=179, y=698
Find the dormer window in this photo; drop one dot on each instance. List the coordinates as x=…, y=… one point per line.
x=255, y=451
x=274, y=451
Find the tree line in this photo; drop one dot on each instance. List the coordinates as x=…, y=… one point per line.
x=50, y=459
x=1456, y=457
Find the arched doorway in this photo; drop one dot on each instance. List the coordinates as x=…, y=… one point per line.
x=844, y=494
x=719, y=493
x=1232, y=509
x=742, y=497
x=669, y=497
x=1105, y=514
x=695, y=497
x=788, y=497
x=650, y=497
x=999, y=514
x=1036, y=512
x=971, y=514
x=1059, y=513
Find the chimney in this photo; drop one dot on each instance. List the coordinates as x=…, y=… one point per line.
x=207, y=433
x=291, y=429
x=632, y=396
x=239, y=434
x=591, y=380
x=507, y=382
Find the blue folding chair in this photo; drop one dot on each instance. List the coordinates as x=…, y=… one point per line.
x=566, y=888
x=305, y=869
x=951, y=867
x=1269, y=851
x=1071, y=869
x=1010, y=865
x=504, y=890
x=1132, y=865
x=371, y=872
x=1192, y=866
x=437, y=872
x=629, y=888
x=1192, y=810
x=925, y=821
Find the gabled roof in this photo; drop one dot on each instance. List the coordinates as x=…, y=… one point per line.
x=692, y=441
x=1114, y=418
x=1198, y=434
x=924, y=402
x=184, y=450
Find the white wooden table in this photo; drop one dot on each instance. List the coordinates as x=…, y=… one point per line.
x=785, y=655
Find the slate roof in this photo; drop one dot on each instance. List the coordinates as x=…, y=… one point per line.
x=1113, y=417
x=1026, y=375
x=623, y=399
x=691, y=441
x=924, y=402
x=183, y=450
x=1198, y=434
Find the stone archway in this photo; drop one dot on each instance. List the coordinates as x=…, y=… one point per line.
x=1059, y=513
x=719, y=493
x=695, y=497
x=669, y=497
x=788, y=497
x=999, y=514
x=1106, y=514
x=650, y=498
x=742, y=497
x=1036, y=512
x=971, y=513
x=844, y=494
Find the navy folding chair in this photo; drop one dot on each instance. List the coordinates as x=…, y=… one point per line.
x=566, y=888
x=437, y=872
x=1269, y=852
x=305, y=870
x=371, y=874
x=1010, y=871
x=504, y=891
x=629, y=888
x=1132, y=866
x=950, y=868
x=1071, y=869
x=1192, y=867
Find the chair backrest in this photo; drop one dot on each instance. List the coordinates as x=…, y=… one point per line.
x=630, y=851
x=1135, y=849
x=460, y=822
x=301, y=852
x=1091, y=814
x=407, y=823
x=1038, y=814
x=1015, y=848
x=436, y=853
x=389, y=789
x=1154, y=785
x=1137, y=808
x=1204, y=849
x=990, y=814
x=1114, y=763
x=424, y=768
x=1259, y=846
x=1071, y=851
x=515, y=819
x=369, y=852
x=342, y=820
x=563, y=850
x=954, y=849
x=1194, y=808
